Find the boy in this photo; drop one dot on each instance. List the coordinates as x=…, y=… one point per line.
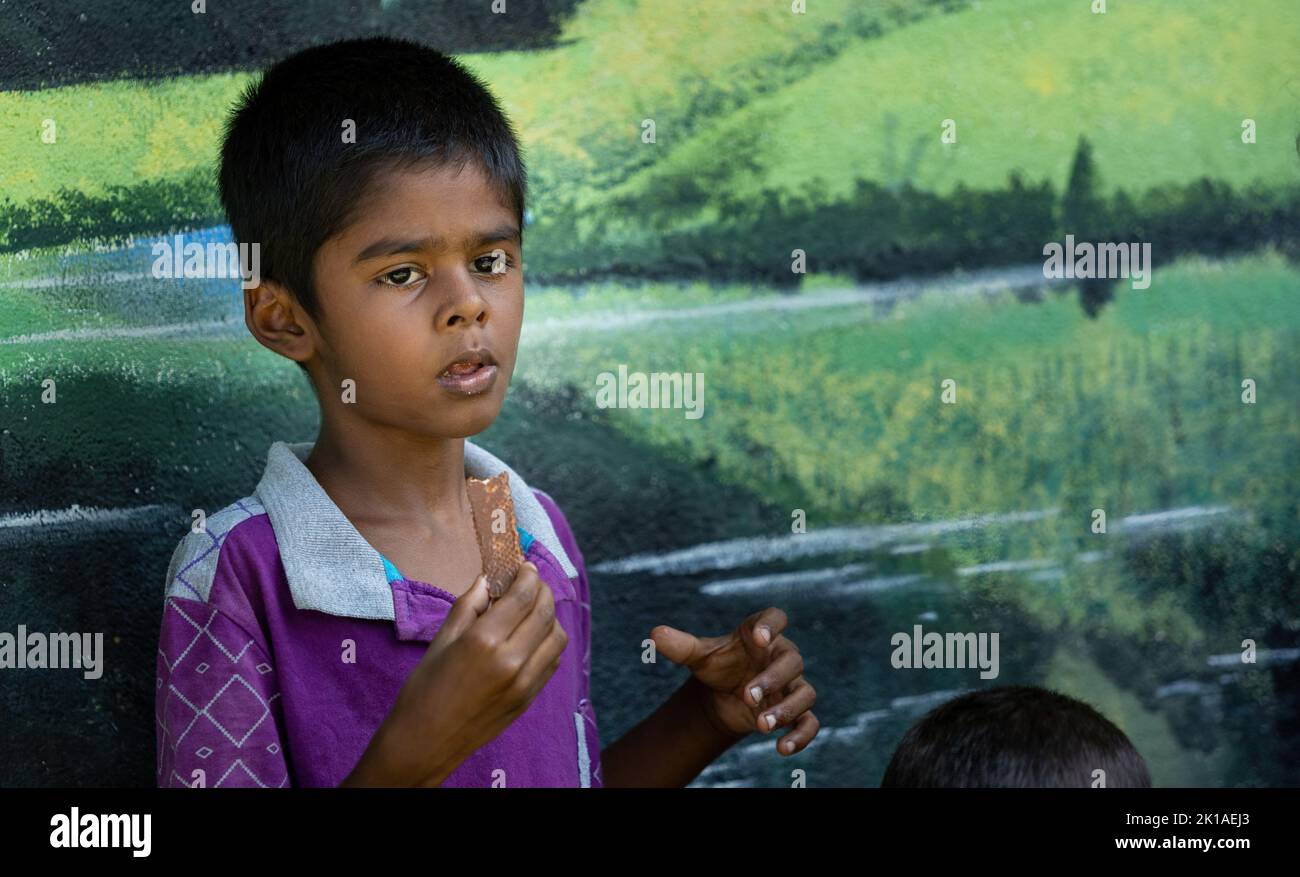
x=331, y=628
x=1015, y=736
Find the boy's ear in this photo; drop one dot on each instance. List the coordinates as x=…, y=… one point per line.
x=278, y=322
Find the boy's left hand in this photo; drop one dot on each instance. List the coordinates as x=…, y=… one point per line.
x=754, y=655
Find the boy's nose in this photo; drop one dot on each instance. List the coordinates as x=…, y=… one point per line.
x=468, y=304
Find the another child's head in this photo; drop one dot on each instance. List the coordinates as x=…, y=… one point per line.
x=1015, y=737
x=385, y=189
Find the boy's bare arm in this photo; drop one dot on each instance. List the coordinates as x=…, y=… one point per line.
x=669, y=747
x=750, y=679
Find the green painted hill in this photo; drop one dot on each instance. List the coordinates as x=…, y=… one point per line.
x=747, y=96
x=574, y=106
x=1159, y=88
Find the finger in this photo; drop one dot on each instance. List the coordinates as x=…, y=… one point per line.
x=800, y=697
x=545, y=660
x=785, y=665
x=537, y=625
x=760, y=630
x=800, y=736
x=678, y=646
x=512, y=608
x=467, y=608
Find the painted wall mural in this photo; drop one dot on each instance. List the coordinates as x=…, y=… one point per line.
x=987, y=316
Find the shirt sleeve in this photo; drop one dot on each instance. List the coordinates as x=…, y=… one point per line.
x=218, y=710
x=585, y=705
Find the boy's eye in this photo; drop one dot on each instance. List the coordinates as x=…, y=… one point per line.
x=495, y=262
x=404, y=276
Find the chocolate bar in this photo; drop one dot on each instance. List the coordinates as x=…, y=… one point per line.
x=494, y=525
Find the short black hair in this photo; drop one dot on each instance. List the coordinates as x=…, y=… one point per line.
x=288, y=180
x=1018, y=737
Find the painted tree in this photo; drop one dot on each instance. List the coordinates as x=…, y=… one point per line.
x=1083, y=214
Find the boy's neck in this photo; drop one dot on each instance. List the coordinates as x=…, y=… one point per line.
x=377, y=474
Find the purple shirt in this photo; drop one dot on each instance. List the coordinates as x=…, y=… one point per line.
x=286, y=637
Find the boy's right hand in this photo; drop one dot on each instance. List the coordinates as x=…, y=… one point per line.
x=480, y=673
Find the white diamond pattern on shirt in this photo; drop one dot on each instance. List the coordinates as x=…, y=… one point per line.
x=216, y=701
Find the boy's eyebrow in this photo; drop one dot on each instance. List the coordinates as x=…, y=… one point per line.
x=504, y=233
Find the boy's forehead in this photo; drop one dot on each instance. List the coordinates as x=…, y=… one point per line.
x=444, y=206
x=450, y=182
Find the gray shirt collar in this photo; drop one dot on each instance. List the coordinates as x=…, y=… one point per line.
x=329, y=565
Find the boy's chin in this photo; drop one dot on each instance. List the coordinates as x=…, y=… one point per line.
x=472, y=418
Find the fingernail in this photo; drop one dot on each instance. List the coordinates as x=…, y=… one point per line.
x=764, y=634
x=756, y=693
x=771, y=721
x=788, y=746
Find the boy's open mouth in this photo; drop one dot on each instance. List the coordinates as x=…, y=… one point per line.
x=472, y=372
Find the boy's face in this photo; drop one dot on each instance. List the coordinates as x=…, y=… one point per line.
x=431, y=267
